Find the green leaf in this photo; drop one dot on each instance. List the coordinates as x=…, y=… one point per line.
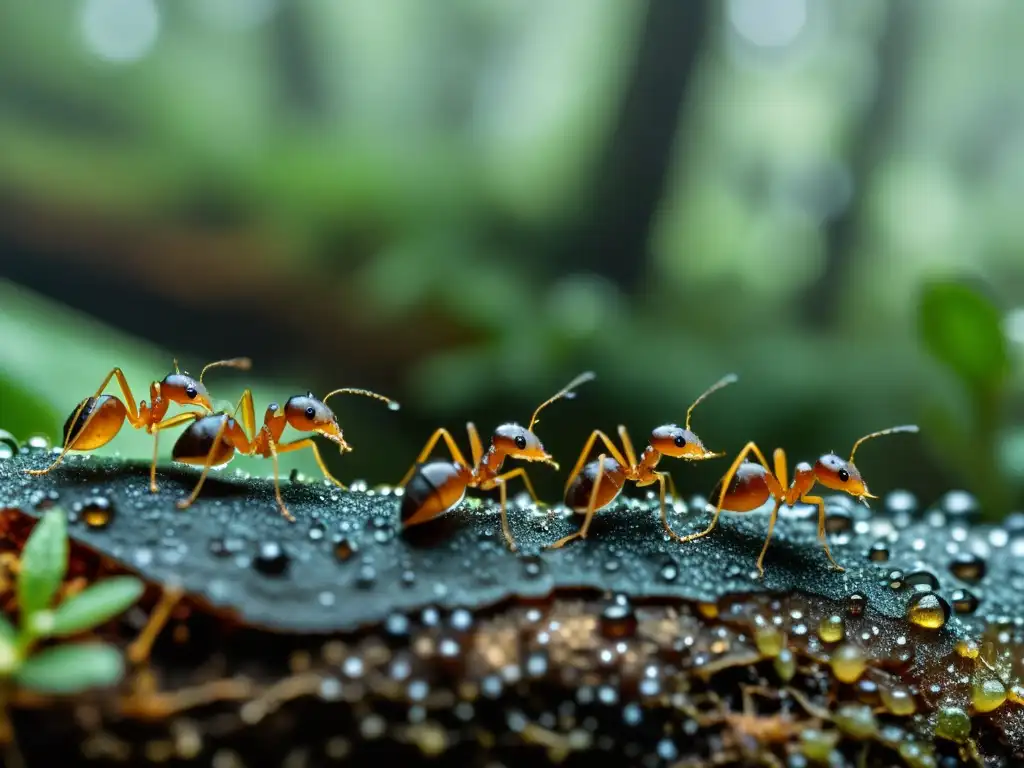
x=962, y=329
x=96, y=605
x=7, y=631
x=44, y=562
x=24, y=412
x=71, y=668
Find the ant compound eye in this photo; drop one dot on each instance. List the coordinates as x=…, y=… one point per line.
x=310, y=412
x=192, y=392
x=680, y=441
x=521, y=442
x=843, y=475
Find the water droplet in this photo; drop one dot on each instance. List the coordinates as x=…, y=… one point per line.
x=967, y=566
x=769, y=641
x=879, y=552
x=38, y=442
x=537, y=664
x=867, y=691
x=899, y=700
x=817, y=745
x=532, y=566
x=954, y=724
x=831, y=629
x=96, y=512
x=367, y=576
x=344, y=548
x=225, y=547
x=848, y=663
x=856, y=720
x=611, y=565
x=271, y=559
x=967, y=648
x=618, y=619
x=927, y=610
x=397, y=625
x=838, y=520
x=895, y=579
x=408, y=577
x=987, y=694
x=964, y=601
x=959, y=504
x=669, y=572
x=785, y=665
x=922, y=581
x=316, y=531
x=855, y=604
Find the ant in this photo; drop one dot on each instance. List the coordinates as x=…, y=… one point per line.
x=595, y=486
x=748, y=485
x=98, y=419
x=212, y=441
x=437, y=487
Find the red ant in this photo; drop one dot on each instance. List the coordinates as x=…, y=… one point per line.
x=437, y=487
x=748, y=485
x=98, y=419
x=595, y=486
x=212, y=441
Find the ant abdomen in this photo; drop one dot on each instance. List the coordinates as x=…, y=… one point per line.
x=196, y=443
x=110, y=414
x=747, y=491
x=613, y=477
x=435, y=488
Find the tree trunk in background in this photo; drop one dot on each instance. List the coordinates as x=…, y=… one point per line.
x=611, y=238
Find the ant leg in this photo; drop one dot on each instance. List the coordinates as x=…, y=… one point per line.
x=662, y=477
x=452, y=447
x=585, y=453
x=181, y=418
x=781, y=472
x=476, y=448
x=129, y=402
x=750, y=447
x=768, y=538
x=298, y=445
x=501, y=481
x=627, y=446
x=591, y=509
x=277, y=483
x=821, y=528
x=139, y=650
x=186, y=503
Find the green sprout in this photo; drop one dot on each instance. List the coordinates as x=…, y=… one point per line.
x=67, y=668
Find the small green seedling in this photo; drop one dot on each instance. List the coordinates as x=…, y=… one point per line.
x=68, y=668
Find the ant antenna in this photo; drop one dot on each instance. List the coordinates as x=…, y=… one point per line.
x=566, y=392
x=241, y=363
x=725, y=381
x=176, y=368
x=392, y=404
x=891, y=430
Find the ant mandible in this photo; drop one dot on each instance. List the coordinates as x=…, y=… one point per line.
x=437, y=487
x=212, y=441
x=595, y=486
x=98, y=419
x=746, y=486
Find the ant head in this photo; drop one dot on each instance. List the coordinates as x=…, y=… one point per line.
x=183, y=389
x=517, y=442
x=680, y=443
x=842, y=475
x=307, y=413
x=839, y=474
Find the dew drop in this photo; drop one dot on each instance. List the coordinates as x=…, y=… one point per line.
x=785, y=665
x=927, y=610
x=344, y=548
x=669, y=572
x=967, y=566
x=95, y=512
x=855, y=604
x=367, y=576
x=967, y=648
x=964, y=601
x=617, y=619
x=532, y=566
x=987, y=694
x=895, y=579
x=817, y=745
x=954, y=724
x=922, y=581
x=879, y=552
x=769, y=641
x=316, y=531
x=856, y=720
x=848, y=663
x=831, y=629
x=899, y=700
x=271, y=559
x=38, y=443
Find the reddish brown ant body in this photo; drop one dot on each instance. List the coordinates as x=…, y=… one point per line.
x=436, y=487
x=213, y=440
x=593, y=487
x=748, y=485
x=98, y=419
